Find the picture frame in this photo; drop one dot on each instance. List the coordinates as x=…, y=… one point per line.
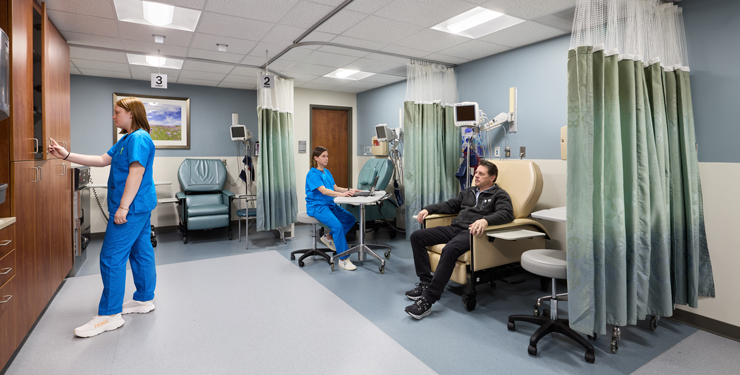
x=169, y=120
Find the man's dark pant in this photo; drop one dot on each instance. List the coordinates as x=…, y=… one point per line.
x=458, y=242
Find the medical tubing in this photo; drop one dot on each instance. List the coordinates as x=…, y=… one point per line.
x=102, y=211
x=380, y=211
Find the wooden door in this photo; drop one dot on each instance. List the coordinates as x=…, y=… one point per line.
x=45, y=254
x=60, y=221
x=21, y=81
x=24, y=182
x=330, y=129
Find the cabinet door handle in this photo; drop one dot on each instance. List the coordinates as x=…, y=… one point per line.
x=35, y=174
x=6, y=271
x=5, y=243
x=35, y=145
x=65, y=145
x=66, y=168
x=7, y=298
x=62, y=174
x=41, y=173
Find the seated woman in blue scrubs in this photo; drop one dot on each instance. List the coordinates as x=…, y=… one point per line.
x=131, y=199
x=320, y=192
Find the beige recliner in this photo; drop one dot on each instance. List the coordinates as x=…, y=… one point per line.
x=489, y=260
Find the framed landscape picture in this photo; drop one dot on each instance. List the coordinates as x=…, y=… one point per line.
x=169, y=120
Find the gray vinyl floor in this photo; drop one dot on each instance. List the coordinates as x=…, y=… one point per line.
x=224, y=309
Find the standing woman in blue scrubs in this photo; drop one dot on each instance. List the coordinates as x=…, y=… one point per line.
x=131, y=199
x=320, y=192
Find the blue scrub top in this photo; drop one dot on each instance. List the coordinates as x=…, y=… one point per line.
x=314, y=198
x=137, y=146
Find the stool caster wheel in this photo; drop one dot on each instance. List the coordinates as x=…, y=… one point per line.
x=594, y=337
x=292, y=257
x=184, y=239
x=532, y=350
x=614, y=346
x=392, y=234
x=332, y=267
x=653, y=322
x=470, y=303
x=590, y=357
x=382, y=268
x=387, y=254
x=511, y=326
x=301, y=264
x=536, y=310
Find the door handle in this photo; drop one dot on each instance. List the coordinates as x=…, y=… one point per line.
x=65, y=145
x=5, y=243
x=6, y=271
x=35, y=145
x=7, y=298
x=41, y=173
x=35, y=174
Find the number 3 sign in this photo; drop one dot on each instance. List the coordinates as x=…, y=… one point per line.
x=267, y=81
x=159, y=81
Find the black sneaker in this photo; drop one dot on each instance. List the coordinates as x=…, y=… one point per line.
x=419, y=309
x=415, y=294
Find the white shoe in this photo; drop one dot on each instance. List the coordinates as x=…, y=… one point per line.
x=329, y=243
x=99, y=324
x=137, y=307
x=347, y=264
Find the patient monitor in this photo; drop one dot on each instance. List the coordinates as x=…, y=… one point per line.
x=386, y=135
x=466, y=114
x=239, y=132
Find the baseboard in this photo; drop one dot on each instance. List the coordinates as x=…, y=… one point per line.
x=710, y=325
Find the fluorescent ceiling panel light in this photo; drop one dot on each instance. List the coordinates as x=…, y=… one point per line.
x=157, y=14
x=477, y=22
x=350, y=74
x=154, y=61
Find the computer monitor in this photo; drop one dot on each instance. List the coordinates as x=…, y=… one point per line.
x=466, y=114
x=240, y=133
x=384, y=134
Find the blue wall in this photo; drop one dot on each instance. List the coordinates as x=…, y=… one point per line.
x=712, y=31
x=379, y=106
x=210, y=114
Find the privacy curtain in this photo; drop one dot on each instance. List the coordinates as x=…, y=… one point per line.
x=277, y=203
x=431, y=140
x=635, y=229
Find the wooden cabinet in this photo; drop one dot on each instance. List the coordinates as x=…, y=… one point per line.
x=56, y=113
x=8, y=316
x=21, y=81
x=23, y=192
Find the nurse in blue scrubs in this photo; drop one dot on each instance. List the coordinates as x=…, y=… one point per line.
x=320, y=192
x=131, y=199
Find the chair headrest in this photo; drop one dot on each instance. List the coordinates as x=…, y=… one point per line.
x=201, y=175
x=383, y=168
x=522, y=179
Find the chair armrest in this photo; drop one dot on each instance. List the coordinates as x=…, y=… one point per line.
x=488, y=254
x=521, y=223
x=438, y=220
x=227, y=193
x=180, y=195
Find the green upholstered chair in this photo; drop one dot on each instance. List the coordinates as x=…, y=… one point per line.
x=203, y=203
x=384, y=169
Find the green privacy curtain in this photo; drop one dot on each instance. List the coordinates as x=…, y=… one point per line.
x=277, y=202
x=635, y=231
x=431, y=140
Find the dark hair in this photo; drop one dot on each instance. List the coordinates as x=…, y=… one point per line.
x=492, y=169
x=316, y=152
x=135, y=107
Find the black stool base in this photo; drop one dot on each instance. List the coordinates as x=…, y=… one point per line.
x=311, y=252
x=547, y=326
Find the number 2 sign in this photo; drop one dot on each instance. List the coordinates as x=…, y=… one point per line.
x=267, y=81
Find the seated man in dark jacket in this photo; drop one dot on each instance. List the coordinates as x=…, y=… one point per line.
x=477, y=207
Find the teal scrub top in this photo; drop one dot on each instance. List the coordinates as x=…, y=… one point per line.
x=315, y=179
x=137, y=146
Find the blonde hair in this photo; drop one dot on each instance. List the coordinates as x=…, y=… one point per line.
x=316, y=152
x=136, y=108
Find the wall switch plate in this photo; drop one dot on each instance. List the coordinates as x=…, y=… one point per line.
x=368, y=151
x=522, y=152
x=497, y=152
x=507, y=152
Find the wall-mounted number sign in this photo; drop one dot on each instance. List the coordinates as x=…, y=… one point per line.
x=159, y=81
x=267, y=81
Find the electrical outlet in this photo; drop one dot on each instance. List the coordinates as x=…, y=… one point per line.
x=522, y=152
x=368, y=151
x=497, y=152
x=507, y=152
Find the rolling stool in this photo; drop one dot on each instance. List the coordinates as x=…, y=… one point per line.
x=552, y=264
x=305, y=219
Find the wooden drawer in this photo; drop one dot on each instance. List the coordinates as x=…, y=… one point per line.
x=7, y=267
x=8, y=320
x=7, y=240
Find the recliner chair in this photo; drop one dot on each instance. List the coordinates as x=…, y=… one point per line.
x=203, y=204
x=493, y=259
x=383, y=168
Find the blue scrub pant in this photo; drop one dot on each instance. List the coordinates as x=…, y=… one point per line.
x=339, y=220
x=127, y=241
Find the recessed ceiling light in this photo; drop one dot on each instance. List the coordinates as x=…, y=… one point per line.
x=477, y=22
x=157, y=14
x=154, y=61
x=351, y=74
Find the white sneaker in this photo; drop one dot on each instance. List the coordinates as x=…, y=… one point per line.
x=347, y=264
x=329, y=243
x=99, y=324
x=137, y=307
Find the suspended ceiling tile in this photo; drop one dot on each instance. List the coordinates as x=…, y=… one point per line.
x=271, y=48
x=331, y=81
x=197, y=82
x=100, y=65
x=281, y=64
x=522, y=34
x=151, y=48
x=344, y=51
x=305, y=68
x=235, y=46
x=103, y=9
x=295, y=54
x=206, y=67
x=342, y=21
x=384, y=79
x=105, y=73
x=315, y=86
x=332, y=3
x=561, y=20
x=92, y=40
x=305, y=14
x=236, y=85
x=397, y=71
x=425, y=13
x=382, y=57
x=145, y=72
x=372, y=66
x=73, y=70
x=474, y=49
x=235, y=27
x=245, y=71
x=202, y=75
x=214, y=55
x=445, y=58
x=241, y=79
x=354, y=42
x=365, y=84
x=350, y=89
x=404, y=51
x=318, y=36
x=528, y=9
x=477, y=2
x=302, y=78
x=383, y=30
x=431, y=40
x=79, y=23
x=328, y=59
x=367, y=6
x=254, y=60
x=262, y=10
x=144, y=33
x=192, y=4
x=96, y=54
x=283, y=34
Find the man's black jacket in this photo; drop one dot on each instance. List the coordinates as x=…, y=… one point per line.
x=494, y=205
